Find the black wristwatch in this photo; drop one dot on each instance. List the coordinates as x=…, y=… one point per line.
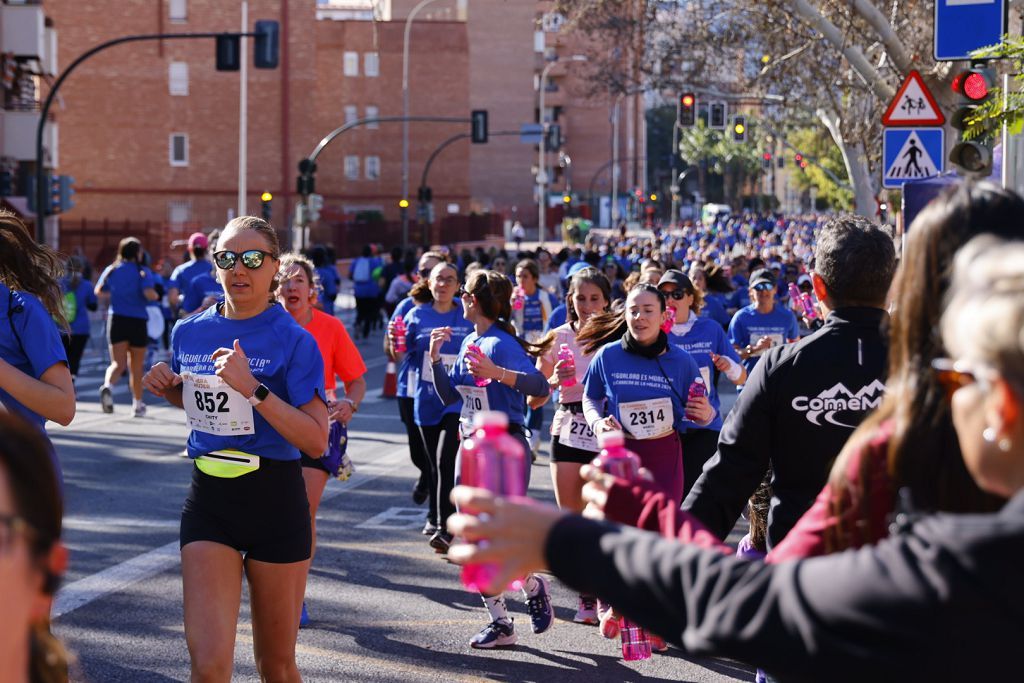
x=259, y=395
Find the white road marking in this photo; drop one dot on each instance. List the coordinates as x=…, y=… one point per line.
x=126, y=574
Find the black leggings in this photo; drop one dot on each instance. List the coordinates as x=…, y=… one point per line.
x=417, y=449
x=442, y=441
x=698, y=447
x=74, y=346
x=366, y=309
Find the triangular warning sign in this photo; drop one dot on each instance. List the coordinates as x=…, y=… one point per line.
x=912, y=161
x=913, y=105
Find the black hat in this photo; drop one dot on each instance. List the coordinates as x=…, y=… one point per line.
x=677, y=278
x=762, y=275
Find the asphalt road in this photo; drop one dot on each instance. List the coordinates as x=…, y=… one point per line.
x=384, y=606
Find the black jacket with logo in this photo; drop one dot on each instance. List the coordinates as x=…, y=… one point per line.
x=798, y=408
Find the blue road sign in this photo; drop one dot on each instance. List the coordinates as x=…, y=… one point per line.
x=962, y=26
x=912, y=154
x=531, y=133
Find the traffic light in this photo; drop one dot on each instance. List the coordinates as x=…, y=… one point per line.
x=66, y=191
x=739, y=128
x=974, y=87
x=798, y=159
x=554, y=139
x=265, y=48
x=766, y=160
x=425, y=195
x=267, y=210
x=229, y=52
x=403, y=203
x=478, y=127
x=306, y=183
x=688, y=110
x=716, y=116
x=654, y=197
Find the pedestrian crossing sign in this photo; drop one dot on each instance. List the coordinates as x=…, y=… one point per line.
x=912, y=154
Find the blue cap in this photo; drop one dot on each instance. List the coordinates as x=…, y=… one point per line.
x=577, y=267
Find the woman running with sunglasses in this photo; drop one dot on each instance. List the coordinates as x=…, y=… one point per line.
x=251, y=381
x=705, y=340
x=493, y=352
x=572, y=443
x=438, y=422
x=299, y=294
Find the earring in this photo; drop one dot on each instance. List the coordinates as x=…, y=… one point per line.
x=1005, y=445
x=989, y=434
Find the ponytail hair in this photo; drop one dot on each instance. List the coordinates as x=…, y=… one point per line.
x=29, y=267
x=420, y=291
x=493, y=294
x=75, y=271
x=608, y=327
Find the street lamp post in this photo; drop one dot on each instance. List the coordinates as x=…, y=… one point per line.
x=542, y=175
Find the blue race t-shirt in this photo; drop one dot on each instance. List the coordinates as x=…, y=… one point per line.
x=533, y=314
x=421, y=321
x=704, y=338
x=29, y=341
x=282, y=355
x=406, y=386
x=85, y=298
x=361, y=272
x=503, y=349
x=558, y=317
x=714, y=308
x=748, y=326
x=125, y=283
x=622, y=377
x=182, y=276
x=329, y=281
x=201, y=287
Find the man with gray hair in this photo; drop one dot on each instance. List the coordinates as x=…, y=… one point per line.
x=803, y=400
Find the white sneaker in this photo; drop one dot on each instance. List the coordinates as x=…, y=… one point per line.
x=139, y=409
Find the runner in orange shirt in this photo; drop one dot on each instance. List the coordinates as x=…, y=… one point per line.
x=298, y=294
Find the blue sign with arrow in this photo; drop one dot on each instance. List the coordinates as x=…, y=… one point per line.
x=912, y=154
x=962, y=26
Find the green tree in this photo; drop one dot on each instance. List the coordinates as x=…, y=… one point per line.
x=716, y=152
x=1002, y=107
x=823, y=157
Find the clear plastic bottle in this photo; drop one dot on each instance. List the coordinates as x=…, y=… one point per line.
x=492, y=459
x=480, y=381
x=666, y=326
x=697, y=390
x=619, y=461
x=399, y=331
x=566, y=354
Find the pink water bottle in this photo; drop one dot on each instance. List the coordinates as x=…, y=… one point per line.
x=666, y=326
x=566, y=354
x=697, y=390
x=619, y=461
x=480, y=381
x=492, y=459
x=399, y=330
x=808, y=304
x=518, y=297
x=794, y=296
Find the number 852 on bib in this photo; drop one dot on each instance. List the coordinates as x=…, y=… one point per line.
x=212, y=407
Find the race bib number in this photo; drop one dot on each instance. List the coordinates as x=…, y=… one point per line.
x=448, y=359
x=777, y=340
x=212, y=407
x=412, y=379
x=705, y=373
x=474, y=400
x=647, y=419
x=576, y=433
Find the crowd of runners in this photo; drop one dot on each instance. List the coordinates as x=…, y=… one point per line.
x=843, y=435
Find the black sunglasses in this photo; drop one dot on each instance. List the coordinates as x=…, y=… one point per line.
x=763, y=286
x=676, y=294
x=251, y=258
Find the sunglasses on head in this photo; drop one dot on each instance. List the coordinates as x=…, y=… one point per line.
x=763, y=286
x=953, y=375
x=251, y=258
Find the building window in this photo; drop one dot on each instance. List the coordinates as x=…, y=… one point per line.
x=371, y=64
x=372, y=168
x=178, y=149
x=177, y=10
x=352, y=168
x=351, y=63
x=177, y=78
x=179, y=211
x=351, y=113
x=372, y=112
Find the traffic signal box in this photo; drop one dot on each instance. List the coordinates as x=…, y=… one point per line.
x=974, y=88
x=688, y=110
x=265, y=205
x=739, y=129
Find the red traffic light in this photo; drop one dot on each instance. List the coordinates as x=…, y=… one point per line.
x=798, y=158
x=803, y=164
x=767, y=156
x=973, y=84
x=687, y=100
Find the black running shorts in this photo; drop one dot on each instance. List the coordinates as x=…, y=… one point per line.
x=262, y=514
x=123, y=328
